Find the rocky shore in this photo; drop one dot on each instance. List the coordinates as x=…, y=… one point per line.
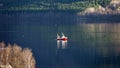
x=112, y=9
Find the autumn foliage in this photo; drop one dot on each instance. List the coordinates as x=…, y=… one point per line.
x=16, y=57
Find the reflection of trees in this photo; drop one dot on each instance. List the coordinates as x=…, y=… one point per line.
x=16, y=56
x=102, y=30
x=105, y=36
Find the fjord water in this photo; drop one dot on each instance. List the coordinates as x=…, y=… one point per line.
x=92, y=42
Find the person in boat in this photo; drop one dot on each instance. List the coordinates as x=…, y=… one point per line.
x=62, y=38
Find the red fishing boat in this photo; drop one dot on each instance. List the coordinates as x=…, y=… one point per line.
x=64, y=38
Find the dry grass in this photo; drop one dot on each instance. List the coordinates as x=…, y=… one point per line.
x=15, y=56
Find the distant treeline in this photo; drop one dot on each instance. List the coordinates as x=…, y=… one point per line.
x=41, y=5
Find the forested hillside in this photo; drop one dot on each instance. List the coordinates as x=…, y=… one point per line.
x=55, y=5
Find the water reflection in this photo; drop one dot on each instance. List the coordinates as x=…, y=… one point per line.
x=64, y=44
x=58, y=44
x=103, y=37
x=61, y=44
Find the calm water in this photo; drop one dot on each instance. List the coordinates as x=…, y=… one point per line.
x=90, y=44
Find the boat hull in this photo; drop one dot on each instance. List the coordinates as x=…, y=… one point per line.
x=64, y=39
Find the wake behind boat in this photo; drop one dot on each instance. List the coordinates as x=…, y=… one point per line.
x=64, y=38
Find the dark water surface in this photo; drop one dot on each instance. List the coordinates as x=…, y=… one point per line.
x=90, y=44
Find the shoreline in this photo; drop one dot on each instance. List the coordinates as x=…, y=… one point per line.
x=63, y=11
x=77, y=17
x=99, y=18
